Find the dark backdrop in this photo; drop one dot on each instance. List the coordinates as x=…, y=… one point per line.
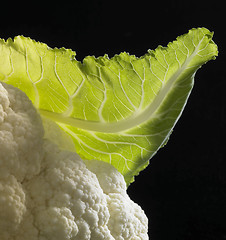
x=183, y=190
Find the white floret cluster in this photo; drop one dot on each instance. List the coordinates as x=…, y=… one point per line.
x=49, y=193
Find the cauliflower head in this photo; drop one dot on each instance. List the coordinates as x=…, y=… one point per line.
x=48, y=192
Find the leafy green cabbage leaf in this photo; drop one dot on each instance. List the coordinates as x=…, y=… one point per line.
x=119, y=110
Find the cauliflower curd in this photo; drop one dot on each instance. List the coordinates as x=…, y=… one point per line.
x=50, y=193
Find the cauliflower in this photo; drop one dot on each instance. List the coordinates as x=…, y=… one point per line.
x=50, y=193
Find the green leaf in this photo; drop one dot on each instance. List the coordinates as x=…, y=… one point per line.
x=119, y=110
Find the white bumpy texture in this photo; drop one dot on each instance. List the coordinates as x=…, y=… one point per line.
x=47, y=193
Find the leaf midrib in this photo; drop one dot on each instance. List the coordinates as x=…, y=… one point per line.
x=125, y=124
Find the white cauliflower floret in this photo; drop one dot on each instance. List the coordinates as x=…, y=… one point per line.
x=126, y=220
x=66, y=183
x=47, y=193
x=21, y=134
x=12, y=205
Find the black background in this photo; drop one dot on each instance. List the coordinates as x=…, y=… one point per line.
x=183, y=190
